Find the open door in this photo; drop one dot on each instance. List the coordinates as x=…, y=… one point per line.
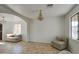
x=0, y=31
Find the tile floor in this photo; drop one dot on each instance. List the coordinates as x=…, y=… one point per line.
x=26, y=48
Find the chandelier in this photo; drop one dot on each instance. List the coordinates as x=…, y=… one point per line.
x=40, y=16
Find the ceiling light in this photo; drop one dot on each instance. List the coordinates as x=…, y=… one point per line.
x=40, y=16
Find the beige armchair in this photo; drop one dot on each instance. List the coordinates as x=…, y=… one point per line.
x=59, y=43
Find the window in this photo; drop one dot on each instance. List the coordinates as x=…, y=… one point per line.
x=17, y=29
x=74, y=27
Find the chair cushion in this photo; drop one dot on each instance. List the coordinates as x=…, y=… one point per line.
x=8, y=35
x=58, y=42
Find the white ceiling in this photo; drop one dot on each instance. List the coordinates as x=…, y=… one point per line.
x=32, y=10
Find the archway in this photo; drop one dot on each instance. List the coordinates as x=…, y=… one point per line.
x=9, y=22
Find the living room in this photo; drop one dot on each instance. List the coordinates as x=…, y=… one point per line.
x=41, y=25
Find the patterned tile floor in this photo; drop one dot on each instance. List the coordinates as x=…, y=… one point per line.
x=26, y=48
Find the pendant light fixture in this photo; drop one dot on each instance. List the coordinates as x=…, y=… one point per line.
x=40, y=16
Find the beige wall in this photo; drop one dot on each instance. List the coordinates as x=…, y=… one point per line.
x=47, y=29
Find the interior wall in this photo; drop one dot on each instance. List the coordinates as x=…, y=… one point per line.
x=8, y=25
x=73, y=44
x=47, y=29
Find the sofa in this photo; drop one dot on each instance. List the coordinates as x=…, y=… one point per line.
x=13, y=38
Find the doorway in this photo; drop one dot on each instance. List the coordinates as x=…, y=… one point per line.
x=0, y=31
